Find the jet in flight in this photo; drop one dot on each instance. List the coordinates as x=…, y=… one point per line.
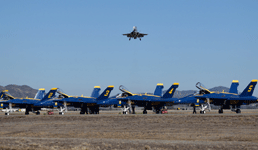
x=135, y=34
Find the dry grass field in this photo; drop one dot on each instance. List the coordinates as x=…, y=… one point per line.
x=110, y=130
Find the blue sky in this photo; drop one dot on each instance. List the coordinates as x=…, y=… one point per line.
x=75, y=45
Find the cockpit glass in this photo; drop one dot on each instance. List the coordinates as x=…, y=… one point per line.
x=200, y=86
x=123, y=88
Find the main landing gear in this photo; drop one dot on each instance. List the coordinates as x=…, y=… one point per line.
x=144, y=110
x=194, y=109
x=37, y=113
x=237, y=110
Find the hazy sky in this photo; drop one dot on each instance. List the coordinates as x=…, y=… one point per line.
x=75, y=45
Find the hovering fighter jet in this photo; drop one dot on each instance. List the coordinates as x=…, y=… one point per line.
x=135, y=34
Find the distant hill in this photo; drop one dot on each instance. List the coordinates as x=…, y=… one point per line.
x=220, y=89
x=20, y=90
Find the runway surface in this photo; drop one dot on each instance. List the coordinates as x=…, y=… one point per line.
x=180, y=129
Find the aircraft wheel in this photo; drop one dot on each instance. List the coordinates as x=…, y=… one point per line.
x=7, y=114
x=201, y=112
x=238, y=111
x=144, y=112
x=61, y=113
x=37, y=113
x=220, y=111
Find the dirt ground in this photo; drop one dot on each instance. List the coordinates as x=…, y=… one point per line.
x=111, y=130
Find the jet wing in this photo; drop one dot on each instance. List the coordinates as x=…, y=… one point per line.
x=141, y=34
x=128, y=35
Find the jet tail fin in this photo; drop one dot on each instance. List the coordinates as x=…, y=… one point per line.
x=50, y=94
x=158, y=90
x=95, y=92
x=233, y=87
x=170, y=92
x=40, y=94
x=105, y=94
x=248, y=91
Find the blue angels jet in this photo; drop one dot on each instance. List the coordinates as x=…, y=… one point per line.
x=206, y=97
x=135, y=34
x=230, y=100
x=149, y=101
x=118, y=103
x=87, y=104
x=5, y=95
x=58, y=103
x=195, y=102
x=28, y=103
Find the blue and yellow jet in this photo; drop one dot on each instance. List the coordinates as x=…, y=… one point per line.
x=149, y=101
x=28, y=103
x=5, y=95
x=206, y=97
x=118, y=103
x=233, y=100
x=87, y=104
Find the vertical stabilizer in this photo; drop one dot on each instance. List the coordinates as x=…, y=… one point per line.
x=158, y=90
x=40, y=94
x=105, y=94
x=170, y=92
x=248, y=91
x=50, y=94
x=95, y=92
x=233, y=87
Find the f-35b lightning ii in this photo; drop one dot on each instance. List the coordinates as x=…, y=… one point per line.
x=135, y=34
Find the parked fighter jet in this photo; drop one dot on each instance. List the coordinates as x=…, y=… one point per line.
x=203, y=103
x=85, y=103
x=227, y=100
x=148, y=101
x=135, y=34
x=224, y=99
x=57, y=102
x=29, y=103
x=5, y=95
x=118, y=103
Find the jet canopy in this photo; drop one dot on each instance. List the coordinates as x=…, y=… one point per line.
x=125, y=91
x=202, y=88
x=134, y=28
x=61, y=93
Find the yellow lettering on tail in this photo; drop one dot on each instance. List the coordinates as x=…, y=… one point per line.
x=250, y=88
x=107, y=92
x=170, y=92
x=50, y=94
